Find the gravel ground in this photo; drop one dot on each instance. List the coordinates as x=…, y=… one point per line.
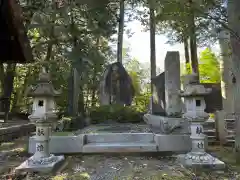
x=108, y=167
x=99, y=167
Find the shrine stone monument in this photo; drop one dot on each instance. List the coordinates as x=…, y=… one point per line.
x=43, y=115
x=195, y=105
x=116, y=86
x=168, y=120
x=172, y=84
x=158, y=100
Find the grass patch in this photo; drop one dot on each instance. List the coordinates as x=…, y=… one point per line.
x=64, y=133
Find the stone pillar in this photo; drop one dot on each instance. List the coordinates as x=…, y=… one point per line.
x=42, y=139
x=172, y=84
x=226, y=87
x=225, y=67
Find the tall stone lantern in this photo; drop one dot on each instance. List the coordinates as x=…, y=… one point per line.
x=194, y=94
x=43, y=115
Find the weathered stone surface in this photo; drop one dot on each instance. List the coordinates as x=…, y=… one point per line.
x=212, y=163
x=116, y=85
x=119, y=137
x=117, y=142
x=158, y=102
x=43, y=168
x=119, y=147
x=13, y=132
x=172, y=84
x=166, y=125
x=173, y=143
x=226, y=71
x=60, y=144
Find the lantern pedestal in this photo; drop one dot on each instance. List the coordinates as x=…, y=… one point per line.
x=42, y=160
x=198, y=158
x=43, y=165
x=204, y=160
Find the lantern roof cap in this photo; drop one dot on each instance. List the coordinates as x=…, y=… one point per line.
x=44, y=87
x=193, y=87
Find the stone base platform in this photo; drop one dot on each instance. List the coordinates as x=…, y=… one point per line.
x=119, y=147
x=116, y=142
x=40, y=166
x=206, y=161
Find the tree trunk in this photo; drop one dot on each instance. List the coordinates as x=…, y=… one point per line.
x=193, y=40
x=8, y=88
x=234, y=24
x=94, y=89
x=152, y=41
x=2, y=74
x=15, y=107
x=186, y=51
x=120, y=32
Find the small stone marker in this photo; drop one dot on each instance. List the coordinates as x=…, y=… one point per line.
x=43, y=115
x=195, y=104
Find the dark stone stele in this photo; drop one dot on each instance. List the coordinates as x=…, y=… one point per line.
x=158, y=107
x=213, y=100
x=126, y=88
x=14, y=43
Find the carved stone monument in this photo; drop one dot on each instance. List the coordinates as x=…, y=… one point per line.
x=43, y=115
x=172, y=84
x=116, y=86
x=158, y=99
x=195, y=104
x=165, y=116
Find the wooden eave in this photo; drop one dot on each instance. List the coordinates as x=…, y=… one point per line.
x=14, y=43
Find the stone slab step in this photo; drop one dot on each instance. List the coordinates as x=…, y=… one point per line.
x=119, y=147
x=120, y=137
x=229, y=120
x=209, y=131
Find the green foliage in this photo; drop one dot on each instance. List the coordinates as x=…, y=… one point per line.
x=115, y=113
x=209, y=69
x=141, y=101
x=71, y=123
x=63, y=37
x=136, y=82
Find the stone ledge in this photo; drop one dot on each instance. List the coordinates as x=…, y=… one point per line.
x=16, y=131
x=173, y=143
x=60, y=144
x=119, y=147
x=78, y=144
x=119, y=137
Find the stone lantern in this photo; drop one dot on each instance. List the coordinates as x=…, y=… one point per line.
x=195, y=105
x=43, y=115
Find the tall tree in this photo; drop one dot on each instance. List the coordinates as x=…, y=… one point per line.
x=234, y=25
x=120, y=31
x=193, y=38
x=152, y=39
